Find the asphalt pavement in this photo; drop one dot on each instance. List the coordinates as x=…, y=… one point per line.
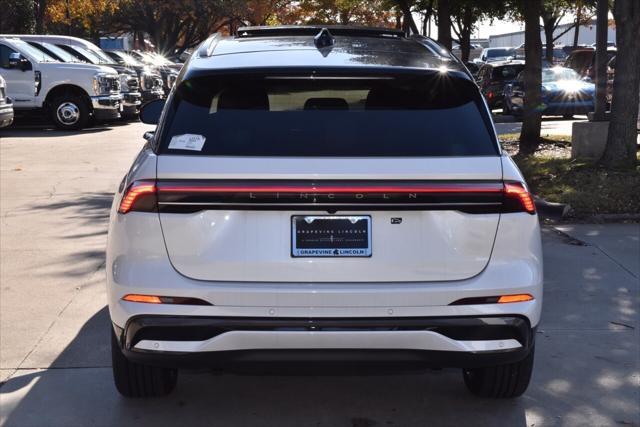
x=55, y=193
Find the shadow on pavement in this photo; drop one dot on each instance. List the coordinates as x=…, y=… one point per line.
x=84, y=221
x=45, y=132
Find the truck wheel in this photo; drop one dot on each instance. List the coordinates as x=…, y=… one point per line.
x=137, y=380
x=69, y=112
x=501, y=381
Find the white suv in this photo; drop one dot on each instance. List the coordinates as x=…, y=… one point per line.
x=329, y=195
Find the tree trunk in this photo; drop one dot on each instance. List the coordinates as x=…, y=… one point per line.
x=465, y=34
x=548, y=38
x=576, y=32
x=530, y=133
x=620, y=151
x=444, y=23
x=407, y=17
x=41, y=7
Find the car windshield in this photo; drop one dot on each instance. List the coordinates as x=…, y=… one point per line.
x=37, y=54
x=95, y=59
x=60, y=53
x=507, y=72
x=496, y=53
x=159, y=59
x=128, y=59
x=558, y=74
x=102, y=55
x=328, y=115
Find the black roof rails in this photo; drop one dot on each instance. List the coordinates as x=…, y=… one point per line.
x=313, y=30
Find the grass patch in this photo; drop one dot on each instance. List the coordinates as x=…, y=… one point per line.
x=515, y=137
x=587, y=188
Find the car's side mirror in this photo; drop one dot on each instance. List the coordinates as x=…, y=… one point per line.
x=151, y=111
x=14, y=60
x=149, y=135
x=587, y=79
x=18, y=61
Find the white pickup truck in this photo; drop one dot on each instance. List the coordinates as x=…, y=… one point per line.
x=69, y=93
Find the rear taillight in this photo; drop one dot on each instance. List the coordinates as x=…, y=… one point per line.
x=517, y=198
x=140, y=197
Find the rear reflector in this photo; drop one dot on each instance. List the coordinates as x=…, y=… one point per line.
x=154, y=299
x=517, y=198
x=503, y=299
x=140, y=196
x=514, y=298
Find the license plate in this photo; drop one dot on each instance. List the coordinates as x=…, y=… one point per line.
x=331, y=236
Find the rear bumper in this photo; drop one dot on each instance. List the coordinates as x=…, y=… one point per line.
x=184, y=341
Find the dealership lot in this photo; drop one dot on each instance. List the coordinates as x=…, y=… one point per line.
x=55, y=361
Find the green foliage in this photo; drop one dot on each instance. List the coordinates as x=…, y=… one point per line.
x=588, y=189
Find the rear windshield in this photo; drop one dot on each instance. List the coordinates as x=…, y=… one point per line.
x=498, y=53
x=332, y=116
x=507, y=72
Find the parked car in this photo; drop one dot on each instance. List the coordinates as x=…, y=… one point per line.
x=167, y=69
x=132, y=99
x=559, y=56
x=146, y=87
x=473, y=68
x=6, y=105
x=582, y=61
x=150, y=79
x=609, y=44
x=69, y=93
x=492, y=78
x=563, y=93
x=498, y=54
x=367, y=213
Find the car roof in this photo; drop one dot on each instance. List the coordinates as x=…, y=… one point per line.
x=57, y=39
x=297, y=47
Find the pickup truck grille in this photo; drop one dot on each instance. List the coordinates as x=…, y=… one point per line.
x=115, y=85
x=132, y=83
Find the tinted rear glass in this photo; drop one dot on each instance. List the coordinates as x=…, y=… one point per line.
x=507, y=72
x=333, y=116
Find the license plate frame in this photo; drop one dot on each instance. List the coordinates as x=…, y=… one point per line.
x=347, y=238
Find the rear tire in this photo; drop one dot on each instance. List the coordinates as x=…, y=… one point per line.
x=501, y=381
x=137, y=380
x=69, y=112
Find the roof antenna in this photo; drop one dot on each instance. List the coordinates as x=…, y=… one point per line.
x=323, y=39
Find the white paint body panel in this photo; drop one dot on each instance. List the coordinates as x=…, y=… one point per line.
x=137, y=262
x=254, y=245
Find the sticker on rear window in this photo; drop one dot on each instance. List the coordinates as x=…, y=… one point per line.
x=187, y=141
